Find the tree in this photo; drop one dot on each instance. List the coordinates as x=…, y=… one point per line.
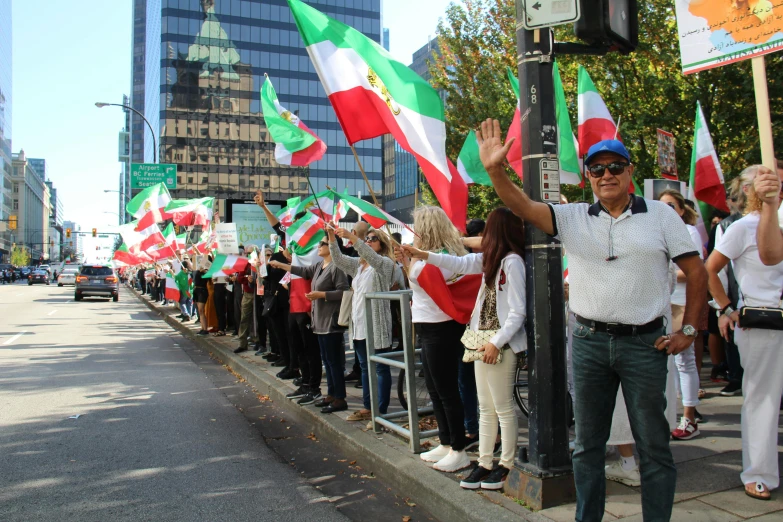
x=20, y=256
x=646, y=89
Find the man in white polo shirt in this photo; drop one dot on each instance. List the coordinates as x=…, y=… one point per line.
x=618, y=263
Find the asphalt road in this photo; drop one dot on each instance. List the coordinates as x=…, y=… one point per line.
x=105, y=416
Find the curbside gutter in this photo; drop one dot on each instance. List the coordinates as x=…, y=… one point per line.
x=435, y=492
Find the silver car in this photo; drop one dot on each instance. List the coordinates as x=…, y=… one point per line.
x=68, y=276
x=97, y=280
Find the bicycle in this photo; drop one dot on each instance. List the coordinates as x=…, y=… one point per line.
x=521, y=391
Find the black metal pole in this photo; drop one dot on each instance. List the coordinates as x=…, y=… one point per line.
x=154, y=143
x=547, y=454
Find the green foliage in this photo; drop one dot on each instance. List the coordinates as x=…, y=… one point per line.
x=20, y=256
x=646, y=89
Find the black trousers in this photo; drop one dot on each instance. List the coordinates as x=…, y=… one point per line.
x=277, y=325
x=305, y=349
x=229, y=304
x=260, y=323
x=440, y=354
x=237, y=307
x=219, y=297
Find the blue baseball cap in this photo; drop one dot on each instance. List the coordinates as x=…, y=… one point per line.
x=613, y=146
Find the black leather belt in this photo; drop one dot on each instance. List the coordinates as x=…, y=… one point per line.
x=621, y=329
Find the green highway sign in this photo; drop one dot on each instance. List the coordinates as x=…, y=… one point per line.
x=145, y=175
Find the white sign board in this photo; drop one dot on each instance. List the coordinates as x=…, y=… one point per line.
x=548, y=13
x=550, y=181
x=227, y=238
x=719, y=32
x=253, y=227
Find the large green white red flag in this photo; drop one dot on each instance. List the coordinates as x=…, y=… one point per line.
x=287, y=214
x=372, y=94
x=376, y=217
x=295, y=144
x=149, y=206
x=190, y=212
x=124, y=256
x=299, y=287
x=225, y=265
x=514, y=155
x=706, y=183
x=172, y=290
x=328, y=207
x=469, y=163
x=306, y=232
x=164, y=248
x=140, y=240
x=567, y=146
x=595, y=122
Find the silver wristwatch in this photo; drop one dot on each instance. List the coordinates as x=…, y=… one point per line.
x=690, y=331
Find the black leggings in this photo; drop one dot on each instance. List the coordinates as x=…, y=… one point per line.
x=305, y=349
x=441, y=352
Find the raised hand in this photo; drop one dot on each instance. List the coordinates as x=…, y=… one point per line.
x=491, y=149
x=259, y=198
x=415, y=253
x=767, y=186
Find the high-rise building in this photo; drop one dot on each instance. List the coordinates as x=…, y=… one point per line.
x=55, y=223
x=73, y=246
x=386, y=42
x=124, y=157
x=203, y=64
x=29, y=196
x=6, y=166
x=401, y=171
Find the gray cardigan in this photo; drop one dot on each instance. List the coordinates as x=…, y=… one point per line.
x=333, y=283
x=382, y=278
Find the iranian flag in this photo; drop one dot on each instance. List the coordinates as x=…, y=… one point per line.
x=328, y=207
x=567, y=146
x=206, y=244
x=182, y=240
x=456, y=297
x=372, y=94
x=125, y=256
x=376, y=217
x=706, y=183
x=140, y=240
x=172, y=291
x=595, y=122
x=190, y=212
x=299, y=287
x=306, y=232
x=295, y=144
x=149, y=206
x=469, y=163
x=165, y=247
x=514, y=155
x=225, y=265
x=286, y=215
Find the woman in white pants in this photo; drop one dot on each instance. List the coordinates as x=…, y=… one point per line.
x=759, y=348
x=686, y=360
x=500, y=306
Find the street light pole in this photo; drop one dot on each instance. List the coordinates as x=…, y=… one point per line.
x=100, y=105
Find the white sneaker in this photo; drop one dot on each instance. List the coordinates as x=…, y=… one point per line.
x=617, y=473
x=454, y=461
x=436, y=454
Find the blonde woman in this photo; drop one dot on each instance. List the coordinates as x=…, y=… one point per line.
x=759, y=348
x=372, y=271
x=686, y=360
x=440, y=337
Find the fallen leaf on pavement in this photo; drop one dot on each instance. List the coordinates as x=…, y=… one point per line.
x=352, y=462
x=411, y=504
x=312, y=437
x=343, y=460
x=406, y=519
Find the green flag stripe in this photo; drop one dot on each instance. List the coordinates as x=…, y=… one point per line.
x=569, y=158
x=470, y=159
x=283, y=131
x=512, y=77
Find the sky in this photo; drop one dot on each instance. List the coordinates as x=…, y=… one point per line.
x=69, y=55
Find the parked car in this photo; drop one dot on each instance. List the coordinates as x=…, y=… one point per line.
x=25, y=271
x=97, y=280
x=38, y=277
x=68, y=276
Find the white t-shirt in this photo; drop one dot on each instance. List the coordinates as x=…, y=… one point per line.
x=759, y=285
x=424, y=309
x=361, y=284
x=678, y=296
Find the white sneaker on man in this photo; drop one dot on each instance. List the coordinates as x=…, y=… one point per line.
x=616, y=472
x=454, y=461
x=436, y=454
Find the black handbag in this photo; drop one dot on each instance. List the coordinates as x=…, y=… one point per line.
x=759, y=316
x=270, y=306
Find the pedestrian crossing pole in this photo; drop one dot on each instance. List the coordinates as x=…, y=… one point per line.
x=542, y=476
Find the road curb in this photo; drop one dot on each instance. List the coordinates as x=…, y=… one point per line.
x=435, y=492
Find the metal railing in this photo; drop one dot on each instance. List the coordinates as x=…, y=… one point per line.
x=409, y=364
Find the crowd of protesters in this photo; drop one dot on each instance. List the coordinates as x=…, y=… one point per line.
x=638, y=307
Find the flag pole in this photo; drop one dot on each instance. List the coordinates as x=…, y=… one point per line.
x=310, y=184
x=762, y=113
x=361, y=169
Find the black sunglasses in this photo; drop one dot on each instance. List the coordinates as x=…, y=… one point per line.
x=371, y=239
x=615, y=169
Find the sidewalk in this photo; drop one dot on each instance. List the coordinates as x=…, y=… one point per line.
x=708, y=485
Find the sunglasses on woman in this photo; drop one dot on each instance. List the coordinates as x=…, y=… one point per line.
x=615, y=169
x=371, y=239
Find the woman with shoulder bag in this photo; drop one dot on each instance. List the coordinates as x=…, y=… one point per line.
x=373, y=271
x=501, y=301
x=760, y=289
x=328, y=285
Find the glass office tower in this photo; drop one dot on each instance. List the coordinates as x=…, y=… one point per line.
x=6, y=186
x=204, y=64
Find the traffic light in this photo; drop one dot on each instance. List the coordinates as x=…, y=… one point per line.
x=51, y=243
x=12, y=222
x=68, y=233
x=94, y=232
x=611, y=23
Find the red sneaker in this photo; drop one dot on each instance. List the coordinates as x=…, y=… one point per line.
x=686, y=430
